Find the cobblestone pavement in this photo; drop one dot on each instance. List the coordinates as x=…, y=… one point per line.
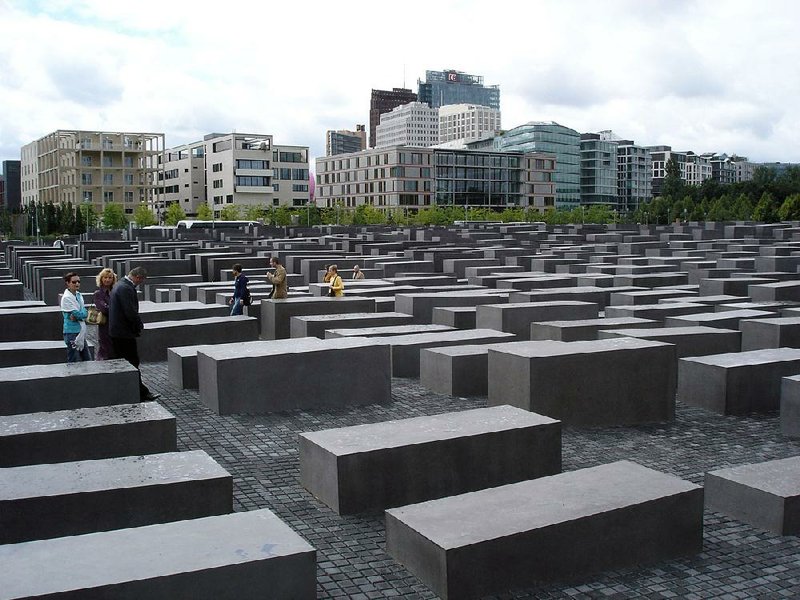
x=261, y=452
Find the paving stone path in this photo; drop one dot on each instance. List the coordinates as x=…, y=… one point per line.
x=261, y=452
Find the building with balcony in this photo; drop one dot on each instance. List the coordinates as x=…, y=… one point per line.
x=553, y=139
x=467, y=122
x=412, y=124
x=634, y=176
x=408, y=177
x=382, y=101
x=343, y=141
x=240, y=169
x=695, y=169
x=598, y=170
x=91, y=167
x=441, y=88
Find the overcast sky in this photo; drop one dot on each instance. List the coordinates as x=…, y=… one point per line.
x=702, y=76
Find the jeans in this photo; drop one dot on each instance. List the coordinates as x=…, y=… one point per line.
x=236, y=307
x=73, y=354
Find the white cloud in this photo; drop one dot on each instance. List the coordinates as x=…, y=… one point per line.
x=694, y=75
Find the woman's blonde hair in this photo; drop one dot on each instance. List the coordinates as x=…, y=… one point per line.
x=103, y=273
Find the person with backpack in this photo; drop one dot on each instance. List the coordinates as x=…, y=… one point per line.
x=241, y=295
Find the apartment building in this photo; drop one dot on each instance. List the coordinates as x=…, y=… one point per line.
x=634, y=176
x=598, y=170
x=412, y=124
x=92, y=167
x=729, y=169
x=240, y=169
x=344, y=141
x=467, y=122
x=694, y=169
x=413, y=177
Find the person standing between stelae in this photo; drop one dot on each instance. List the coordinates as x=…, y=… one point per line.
x=75, y=313
x=240, y=291
x=125, y=324
x=102, y=296
x=280, y=287
x=337, y=285
x=357, y=273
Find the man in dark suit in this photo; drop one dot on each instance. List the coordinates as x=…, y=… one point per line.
x=125, y=324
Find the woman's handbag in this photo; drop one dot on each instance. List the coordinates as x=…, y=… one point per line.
x=95, y=317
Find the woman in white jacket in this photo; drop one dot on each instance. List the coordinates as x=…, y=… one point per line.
x=75, y=314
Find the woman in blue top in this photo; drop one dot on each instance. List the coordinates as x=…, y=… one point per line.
x=75, y=314
x=240, y=292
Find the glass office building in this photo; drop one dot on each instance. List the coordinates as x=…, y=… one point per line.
x=550, y=138
x=598, y=170
x=441, y=88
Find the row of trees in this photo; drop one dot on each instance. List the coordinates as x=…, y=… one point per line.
x=768, y=197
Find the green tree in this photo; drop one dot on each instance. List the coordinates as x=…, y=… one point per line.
x=5, y=221
x=720, y=209
x=174, y=214
x=143, y=216
x=204, y=212
x=366, y=214
x=742, y=208
x=254, y=213
x=766, y=210
x=790, y=209
x=114, y=216
x=229, y=213
x=673, y=186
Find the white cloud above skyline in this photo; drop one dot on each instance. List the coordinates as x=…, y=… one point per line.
x=694, y=75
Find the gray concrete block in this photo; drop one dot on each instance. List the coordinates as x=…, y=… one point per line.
x=34, y=352
x=40, y=388
x=790, y=406
x=647, y=297
x=736, y=383
x=53, y=500
x=516, y=317
x=276, y=314
x=657, y=312
x=370, y=332
x=780, y=290
x=624, y=381
x=688, y=341
x=651, y=280
x=733, y=286
x=315, y=325
x=459, y=317
x=729, y=319
x=765, y=495
x=157, y=337
x=457, y=370
x=269, y=378
x=559, y=527
x=406, y=348
x=34, y=323
x=376, y=466
x=421, y=305
x=585, y=329
x=778, y=332
x=228, y=557
x=86, y=434
x=598, y=295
